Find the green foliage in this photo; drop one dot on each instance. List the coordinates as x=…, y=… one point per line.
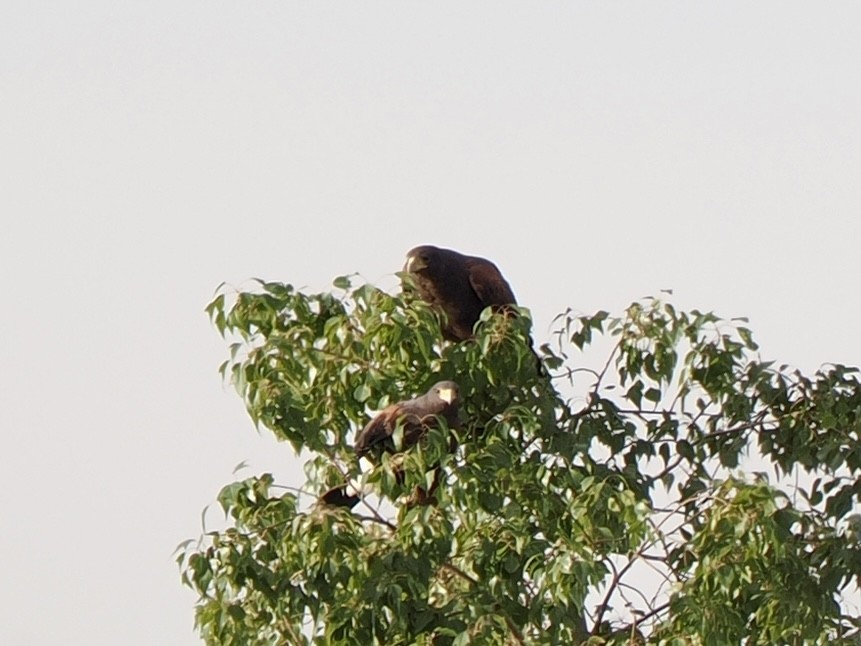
x=594, y=506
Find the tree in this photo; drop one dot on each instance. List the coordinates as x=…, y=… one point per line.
x=599, y=506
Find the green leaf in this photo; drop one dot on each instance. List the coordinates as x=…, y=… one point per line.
x=685, y=450
x=342, y=282
x=362, y=393
x=653, y=395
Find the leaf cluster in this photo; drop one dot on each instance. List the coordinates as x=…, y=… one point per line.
x=593, y=506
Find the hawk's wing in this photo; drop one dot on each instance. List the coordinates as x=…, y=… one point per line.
x=488, y=283
x=378, y=431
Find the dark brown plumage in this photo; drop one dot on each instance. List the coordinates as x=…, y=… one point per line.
x=416, y=416
x=461, y=286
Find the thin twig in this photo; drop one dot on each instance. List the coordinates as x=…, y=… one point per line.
x=456, y=570
x=379, y=520
x=611, y=589
x=653, y=612
x=759, y=420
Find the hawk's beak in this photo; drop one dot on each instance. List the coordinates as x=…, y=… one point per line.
x=414, y=264
x=447, y=395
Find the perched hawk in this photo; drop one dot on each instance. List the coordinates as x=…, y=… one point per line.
x=416, y=416
x=461, y=286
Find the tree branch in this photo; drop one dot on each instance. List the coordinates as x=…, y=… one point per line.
x=653, y=612
x=380, y=520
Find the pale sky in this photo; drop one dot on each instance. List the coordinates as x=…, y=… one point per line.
x=597, y=152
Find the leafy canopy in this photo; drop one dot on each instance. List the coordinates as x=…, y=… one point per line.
x=600, y=505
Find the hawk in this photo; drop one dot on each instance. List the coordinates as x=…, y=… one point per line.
x=415, y=416
x=461, y=286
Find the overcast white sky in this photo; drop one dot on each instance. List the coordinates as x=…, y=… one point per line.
x=148, y=151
